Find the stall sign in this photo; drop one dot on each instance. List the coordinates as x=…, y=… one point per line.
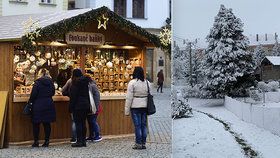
x=85, y=38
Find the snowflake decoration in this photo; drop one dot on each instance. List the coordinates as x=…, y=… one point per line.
x=31, y=29
x=165, y=36
x=102, y=22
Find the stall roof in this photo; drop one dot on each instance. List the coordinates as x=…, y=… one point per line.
x=12, y=28
x=274, y=60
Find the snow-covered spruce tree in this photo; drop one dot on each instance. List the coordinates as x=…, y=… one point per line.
x=276, y=49
x=179, y=66
x=229, y=66
x=259, y=54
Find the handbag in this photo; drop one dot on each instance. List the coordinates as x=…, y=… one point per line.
x=92, y=103
x=27, y=109
x=151, y=108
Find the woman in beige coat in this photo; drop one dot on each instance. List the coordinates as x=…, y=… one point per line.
x=136, y=105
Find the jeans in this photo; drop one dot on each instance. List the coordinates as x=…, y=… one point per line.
x=80, y=121
x=93, y=126
x=139, y=118
x=74, y=132
x=36, y=131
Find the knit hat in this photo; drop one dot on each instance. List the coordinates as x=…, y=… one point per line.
x=77, y=73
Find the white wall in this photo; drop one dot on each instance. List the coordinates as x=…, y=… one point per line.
x=11, y=8
x=107, y=3
x=267, y=117
x=157, y=11
x=156, y=14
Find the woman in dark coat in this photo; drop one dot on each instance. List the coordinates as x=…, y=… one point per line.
x=80, y=105
x=43, y=110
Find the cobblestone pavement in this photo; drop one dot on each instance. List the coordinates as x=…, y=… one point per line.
x=158, y=143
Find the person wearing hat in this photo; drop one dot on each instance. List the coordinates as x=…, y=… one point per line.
x=80, y=105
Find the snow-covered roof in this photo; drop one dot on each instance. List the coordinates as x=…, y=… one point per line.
x=274, y=60
x=12, y=26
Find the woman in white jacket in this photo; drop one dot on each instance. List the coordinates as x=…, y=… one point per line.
x=136, y=104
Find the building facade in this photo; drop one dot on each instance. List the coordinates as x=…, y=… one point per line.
x=17, y=7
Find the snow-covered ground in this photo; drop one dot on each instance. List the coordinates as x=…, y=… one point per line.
x=201, y=136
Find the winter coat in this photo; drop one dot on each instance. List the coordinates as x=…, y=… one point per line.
x=43, y=109
x=66, y=88
x=160, y=77
x=136, y=96
x=95, y=92
x=79, y=96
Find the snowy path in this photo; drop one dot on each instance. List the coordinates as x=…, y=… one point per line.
x=202, y=137
x=265, y=143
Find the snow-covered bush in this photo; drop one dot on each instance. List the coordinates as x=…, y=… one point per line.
x=255, y=94
x=196, y=91
x=268, y=87
x=179, y=104
x=273, y=85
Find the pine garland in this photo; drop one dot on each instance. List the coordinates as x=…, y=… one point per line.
x=59, y=29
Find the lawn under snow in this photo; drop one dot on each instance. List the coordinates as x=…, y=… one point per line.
x=200, y=136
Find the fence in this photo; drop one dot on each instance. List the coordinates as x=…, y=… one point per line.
x=267, y=117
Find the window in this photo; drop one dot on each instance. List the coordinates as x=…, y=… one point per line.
x=138, y=9
x=46, y=1
x=120, y=7
x=18, y=1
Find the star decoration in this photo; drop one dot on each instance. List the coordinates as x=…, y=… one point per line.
x=105, y=20
x=165, y=36
x=31, y=29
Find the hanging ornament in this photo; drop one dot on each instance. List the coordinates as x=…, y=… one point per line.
x=16, y=59
x=109, y=64
x=102, y=22
x=27, y=56
x=165, y=36
x=48, y=55
x=53, y=63
x=34, y=67
x=61, y=61
x=38, y=53
x=32, y=58
x=31, y=71
x=28, y=62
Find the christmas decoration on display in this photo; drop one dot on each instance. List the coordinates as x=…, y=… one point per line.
x=38, y=53
x=16, y=59
x=165, y=36
x=102, y=22
x=31, y=29
x=48, y=55
x=109, y=64
x=32, y=58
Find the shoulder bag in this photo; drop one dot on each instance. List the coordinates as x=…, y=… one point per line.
x=27, y=109
x=91, y=100
x=151, y=108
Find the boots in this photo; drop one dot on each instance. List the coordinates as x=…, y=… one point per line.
x=35, y=144
x=46, y=143
x=137, y=146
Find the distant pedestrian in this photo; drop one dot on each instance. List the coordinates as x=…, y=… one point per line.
x=43, y=109
x=80, y=105
x=94, y=130
x=160, y=77
x=136, y=104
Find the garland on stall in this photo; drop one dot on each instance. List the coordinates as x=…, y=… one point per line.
x=57, y=30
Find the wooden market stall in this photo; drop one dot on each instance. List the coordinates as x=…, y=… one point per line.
x=104, y=45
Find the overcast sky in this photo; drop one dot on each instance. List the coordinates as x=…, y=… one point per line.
x=194, y=18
